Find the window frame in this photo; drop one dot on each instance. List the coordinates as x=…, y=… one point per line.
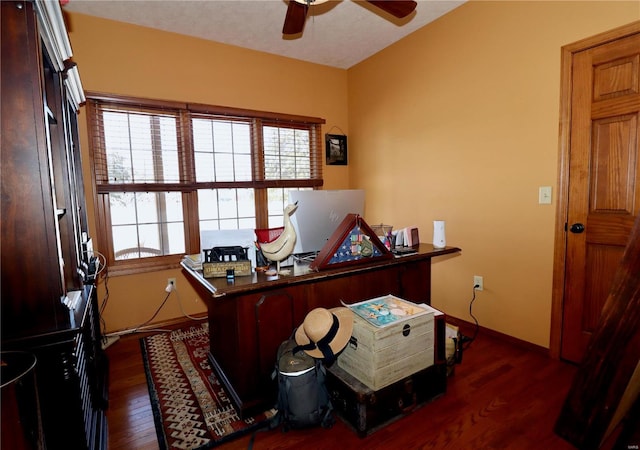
x=187, y=184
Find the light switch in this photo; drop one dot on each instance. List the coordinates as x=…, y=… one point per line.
x=544, y=195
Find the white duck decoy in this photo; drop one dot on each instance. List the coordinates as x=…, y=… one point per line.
x=279, y=249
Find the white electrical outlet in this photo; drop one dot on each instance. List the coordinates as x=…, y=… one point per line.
x=479, y=282
x=171, y=284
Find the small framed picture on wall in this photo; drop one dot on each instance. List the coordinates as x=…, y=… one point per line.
x=336, y=149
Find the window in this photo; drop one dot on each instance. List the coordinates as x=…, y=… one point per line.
x=165, y=171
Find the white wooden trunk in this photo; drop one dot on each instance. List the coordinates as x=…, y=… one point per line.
x=380, y=356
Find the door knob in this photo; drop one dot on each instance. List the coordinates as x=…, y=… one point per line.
x=577, y=228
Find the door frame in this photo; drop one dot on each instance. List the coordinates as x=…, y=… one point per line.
x=564, y=147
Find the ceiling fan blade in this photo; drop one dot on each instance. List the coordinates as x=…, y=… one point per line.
x=397, y=8
x=295, y=18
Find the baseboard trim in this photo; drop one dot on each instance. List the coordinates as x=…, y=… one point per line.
x=108, y=341
x=468, y=328
x=166, y=324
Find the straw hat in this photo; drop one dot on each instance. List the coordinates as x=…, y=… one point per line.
x=325, y=332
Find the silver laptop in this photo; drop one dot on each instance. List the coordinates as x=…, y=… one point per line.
x=319, y=213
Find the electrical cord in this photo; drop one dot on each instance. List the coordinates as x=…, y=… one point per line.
x=155, y=313
x=101, y=271
x=136, y=329
x=100, y=265
x=465, y=339
x=105, y=300
x=103, y=305
x=182, y=309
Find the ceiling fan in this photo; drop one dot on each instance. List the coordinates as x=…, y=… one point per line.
x=297, y=11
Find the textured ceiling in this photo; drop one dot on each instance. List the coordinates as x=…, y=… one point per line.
x=337, y=33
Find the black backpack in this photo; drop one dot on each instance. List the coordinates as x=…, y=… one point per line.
x=303, y=399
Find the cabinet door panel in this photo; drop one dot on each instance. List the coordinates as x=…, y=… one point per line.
x=415, y=282
x=245, y=334
x=274, y=316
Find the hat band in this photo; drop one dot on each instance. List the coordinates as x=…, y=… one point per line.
x=323, y=344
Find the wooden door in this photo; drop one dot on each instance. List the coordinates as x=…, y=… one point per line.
x=603, y=184
x=603, y=404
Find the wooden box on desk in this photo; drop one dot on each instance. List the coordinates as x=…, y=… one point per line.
x=397, y=346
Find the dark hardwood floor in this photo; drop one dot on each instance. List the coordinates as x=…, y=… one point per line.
x=502, y=396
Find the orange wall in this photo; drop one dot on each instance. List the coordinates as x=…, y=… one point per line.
x=459, y=122
x=124, y=59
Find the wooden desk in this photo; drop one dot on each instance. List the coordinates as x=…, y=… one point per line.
x=250, y=316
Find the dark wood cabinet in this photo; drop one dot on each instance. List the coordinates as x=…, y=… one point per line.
x=250, y=317
x=49, y=304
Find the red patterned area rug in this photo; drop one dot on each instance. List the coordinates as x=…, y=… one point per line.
x=191, y=409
